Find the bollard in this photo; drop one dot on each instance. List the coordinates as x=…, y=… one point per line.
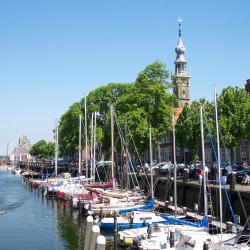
x=210, y=207
x=100, y=242
x=229, y=227
x=233, y=181
x=94, y=234
x=88, y=232
x=101, y=213
x=172, y=238
x=171, y=199
x=115, y=222
x=205, y=245
x=167, y=203
x=210, y=219
x=149, y=230
x=184, y=211
x=196, y=207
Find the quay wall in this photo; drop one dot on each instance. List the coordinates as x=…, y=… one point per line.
x=189, y=193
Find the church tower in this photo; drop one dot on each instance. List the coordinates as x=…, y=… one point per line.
x=181, y=78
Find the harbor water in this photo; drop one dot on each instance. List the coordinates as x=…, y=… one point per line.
x=30, y=221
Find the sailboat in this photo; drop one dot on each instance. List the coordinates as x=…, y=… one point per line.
x=114, y=199
x=126, y=237
x=190, y=238
x=143, y=219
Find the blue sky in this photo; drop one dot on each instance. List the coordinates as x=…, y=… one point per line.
x=54, y=51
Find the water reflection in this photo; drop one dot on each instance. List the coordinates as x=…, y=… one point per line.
x=31, y=221
x=71, y=226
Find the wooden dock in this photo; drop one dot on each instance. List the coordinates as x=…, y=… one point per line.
x=196, y=216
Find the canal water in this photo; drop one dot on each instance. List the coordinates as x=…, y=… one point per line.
x=29, y=221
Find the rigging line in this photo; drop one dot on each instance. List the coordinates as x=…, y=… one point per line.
x=213, y=148
x=98, y=176
x=126, y=150
x=241, y=202
x=228, y=199
x=247, y=223
x=243, y=207
x=135, y=147
x=147, y=183
x=146, y=177
x=229, y=203
x=215, y=155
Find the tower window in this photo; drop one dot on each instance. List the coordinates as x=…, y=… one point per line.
x=183, y=93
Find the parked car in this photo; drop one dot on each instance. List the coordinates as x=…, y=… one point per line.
x=238, y=168
x=180, y=169
x=241, y=174
x=165, y=169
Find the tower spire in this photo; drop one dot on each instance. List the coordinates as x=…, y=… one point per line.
x=179, y=20
x=180, y=62
x=181, y=77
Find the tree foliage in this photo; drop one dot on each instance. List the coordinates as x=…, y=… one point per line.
x=100, y=100
x=188, y=128
x=144, y=102
x=42, y=149
x=68, y=130
x=234, y=120
x=147, y=103
x=234, y=115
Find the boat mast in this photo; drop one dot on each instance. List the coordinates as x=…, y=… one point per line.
x=151, y=161
x=112, y=147
x=91, y=146
x=174, y=154
x=203, y=163
x=86, y=137
x=80, y=145
x=94, y=145
x=127, y=171
x=218, y=153
x=56, y=148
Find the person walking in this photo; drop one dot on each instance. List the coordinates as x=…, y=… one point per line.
x=199, y=173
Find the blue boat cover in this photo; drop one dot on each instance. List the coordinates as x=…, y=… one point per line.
x=148, y=206
x=173, y=220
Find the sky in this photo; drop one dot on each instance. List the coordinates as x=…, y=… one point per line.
x=52, y=52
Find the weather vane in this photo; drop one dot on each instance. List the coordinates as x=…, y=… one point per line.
x=179, y=20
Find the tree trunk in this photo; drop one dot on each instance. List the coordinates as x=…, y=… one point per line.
x=232, y=155
x=158, y=150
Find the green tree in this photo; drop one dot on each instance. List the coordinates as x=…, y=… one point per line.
x=100, y=100
x=188, y=131
x=42, y=149
x=49, y=149
x=146, y=102
x=234, y=115
x=68, y=130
